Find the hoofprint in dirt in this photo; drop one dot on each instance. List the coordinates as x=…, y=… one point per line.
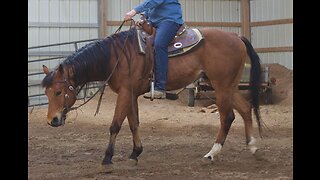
x=175, y=137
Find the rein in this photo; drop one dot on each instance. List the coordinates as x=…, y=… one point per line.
x=104, y=83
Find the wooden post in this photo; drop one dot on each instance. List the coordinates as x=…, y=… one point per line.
x=103, y=17
x=245, y=19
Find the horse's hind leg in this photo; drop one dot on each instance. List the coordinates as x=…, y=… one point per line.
x=133, y=119
x=223, y=102
x=244, y=109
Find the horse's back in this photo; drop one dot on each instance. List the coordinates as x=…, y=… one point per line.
x=224, y=40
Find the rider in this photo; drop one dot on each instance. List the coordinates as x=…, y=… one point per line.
x=166, y=17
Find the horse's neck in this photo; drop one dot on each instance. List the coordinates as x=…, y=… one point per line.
x=90, y=73
x=102, y=69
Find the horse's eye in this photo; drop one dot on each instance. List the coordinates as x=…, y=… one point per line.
x=58, y=93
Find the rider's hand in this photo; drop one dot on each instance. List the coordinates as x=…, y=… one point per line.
x=139, y=23
x=129, y=15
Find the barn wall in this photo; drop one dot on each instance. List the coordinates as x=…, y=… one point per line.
x=57, y=21
x=193, y=11
x=212, y=11
x=262, y=10
x=274, y=34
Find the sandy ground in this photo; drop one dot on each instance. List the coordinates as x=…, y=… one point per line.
x=175, y=137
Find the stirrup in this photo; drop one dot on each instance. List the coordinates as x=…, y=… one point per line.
x=152, y=79
x=152, y=90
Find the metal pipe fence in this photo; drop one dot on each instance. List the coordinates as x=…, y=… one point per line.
x=40, y=55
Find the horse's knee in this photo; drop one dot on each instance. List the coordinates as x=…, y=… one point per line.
x=114, y=128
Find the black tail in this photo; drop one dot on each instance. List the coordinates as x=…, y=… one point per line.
x=255, y=80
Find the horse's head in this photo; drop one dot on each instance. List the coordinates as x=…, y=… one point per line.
x=61, y=95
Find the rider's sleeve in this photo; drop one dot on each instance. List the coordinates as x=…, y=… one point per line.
x=147, y=5
x=146, y=14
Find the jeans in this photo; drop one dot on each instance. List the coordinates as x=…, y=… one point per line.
x=165, y=32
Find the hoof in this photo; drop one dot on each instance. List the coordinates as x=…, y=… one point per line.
x=253, y=150
x=207, y=160
x=259, y=155
x=107, y=168
x=132, y=162
x=129, y=164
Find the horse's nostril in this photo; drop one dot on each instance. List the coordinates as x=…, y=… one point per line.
x=55, y=122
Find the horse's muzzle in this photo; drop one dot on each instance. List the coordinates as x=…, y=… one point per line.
x=55, y=122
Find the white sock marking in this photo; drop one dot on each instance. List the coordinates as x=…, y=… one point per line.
x=216, y=148
x=252, y=146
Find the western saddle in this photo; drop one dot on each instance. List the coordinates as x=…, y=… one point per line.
x=185, y=39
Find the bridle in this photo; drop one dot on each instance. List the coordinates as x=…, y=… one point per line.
x=73, y=90
x=76, y=91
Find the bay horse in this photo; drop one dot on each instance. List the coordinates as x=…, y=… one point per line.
x=115, y=59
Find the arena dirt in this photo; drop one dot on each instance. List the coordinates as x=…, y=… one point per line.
x=175, y=137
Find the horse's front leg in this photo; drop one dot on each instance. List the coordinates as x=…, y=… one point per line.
x=121, y=111
x=133, y=118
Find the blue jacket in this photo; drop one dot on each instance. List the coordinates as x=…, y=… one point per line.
x=161, y=10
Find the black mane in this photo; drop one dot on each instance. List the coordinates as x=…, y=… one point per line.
x=95, y=56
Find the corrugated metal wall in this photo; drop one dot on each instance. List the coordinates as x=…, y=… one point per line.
x=262, y=10
x=212, y=11
x=193, y=10
x=280, y=35
x=57, y=21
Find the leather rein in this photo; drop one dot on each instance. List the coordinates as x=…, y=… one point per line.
x=71, y=88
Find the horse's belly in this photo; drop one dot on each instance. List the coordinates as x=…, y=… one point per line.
x=181, y=80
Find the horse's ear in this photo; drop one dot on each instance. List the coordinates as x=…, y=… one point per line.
x=45, y=69
x=61, y=69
